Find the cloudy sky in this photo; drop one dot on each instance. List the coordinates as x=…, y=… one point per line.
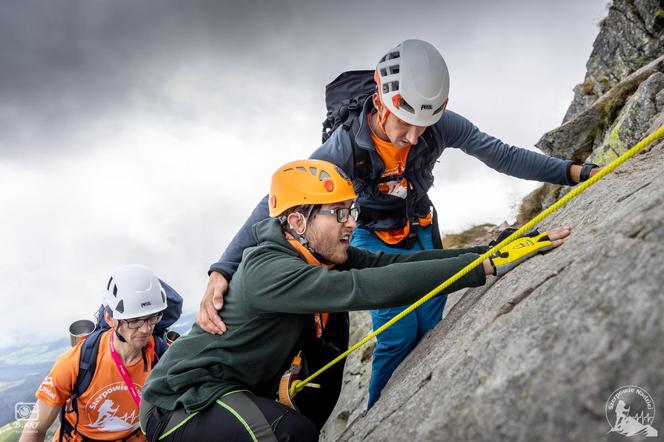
x=146, y=131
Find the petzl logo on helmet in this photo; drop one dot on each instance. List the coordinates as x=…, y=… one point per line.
x=630, y=411
x=146, y=304
x=426, y=107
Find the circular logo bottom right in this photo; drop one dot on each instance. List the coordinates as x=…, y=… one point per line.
x=630, y=411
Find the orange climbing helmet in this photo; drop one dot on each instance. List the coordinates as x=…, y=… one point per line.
x=308, y=182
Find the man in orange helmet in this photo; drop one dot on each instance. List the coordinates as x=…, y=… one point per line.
x=286, y=309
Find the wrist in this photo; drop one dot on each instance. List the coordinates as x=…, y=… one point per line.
x=489, y=269
x=574, y=173
x=215, y=275
x=578, y=173
x=586, y=170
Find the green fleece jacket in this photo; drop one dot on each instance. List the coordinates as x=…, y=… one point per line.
x=268, y=310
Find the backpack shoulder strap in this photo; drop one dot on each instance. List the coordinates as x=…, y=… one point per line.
x=361, y=161
x=88, y=362
x=86, y=370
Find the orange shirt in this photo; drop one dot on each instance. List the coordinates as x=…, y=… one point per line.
x=394, y=158
x=106, y=409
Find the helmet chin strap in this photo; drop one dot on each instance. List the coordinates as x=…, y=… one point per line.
x=120, y=337
x=117, y=333
x=382, y=118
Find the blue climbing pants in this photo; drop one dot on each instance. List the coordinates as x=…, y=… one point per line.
x=394, y=344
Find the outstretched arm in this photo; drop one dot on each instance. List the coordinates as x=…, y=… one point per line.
x=280, y=283
x=457, y=131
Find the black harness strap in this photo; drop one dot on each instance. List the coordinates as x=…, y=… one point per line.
x=250, y=413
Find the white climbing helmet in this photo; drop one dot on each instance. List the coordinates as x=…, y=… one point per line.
x=134, y=291
x=413, y=82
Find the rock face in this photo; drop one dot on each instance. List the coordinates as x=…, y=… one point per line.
x=634, y=120
x=536, y=354
x=578, y=138
x=630, y=37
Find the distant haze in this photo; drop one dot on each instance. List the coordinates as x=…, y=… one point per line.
x=145, y=132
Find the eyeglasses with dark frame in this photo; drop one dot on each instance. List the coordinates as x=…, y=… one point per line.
x=133, y=324
x=343, y=213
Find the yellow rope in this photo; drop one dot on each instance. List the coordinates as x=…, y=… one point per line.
x=299, y=385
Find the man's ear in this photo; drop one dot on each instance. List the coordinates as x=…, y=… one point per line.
x=376, y=101
x=297, y=222
x=109, y=320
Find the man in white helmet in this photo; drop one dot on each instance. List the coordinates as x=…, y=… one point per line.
x=108, y=409
x=389, y=151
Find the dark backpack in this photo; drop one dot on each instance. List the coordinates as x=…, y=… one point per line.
x=344, y=99
x=90, y=349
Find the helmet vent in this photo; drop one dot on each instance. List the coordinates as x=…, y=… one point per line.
x=439, y=109
x=108, y=286
x=404, y=105
x=390, y=56
x=313, y=171
x=115, y=290
x=394, y=70
x=302, y=169
x=342, y=173
x=390, y=87
x=120, y=307
x=324, y=175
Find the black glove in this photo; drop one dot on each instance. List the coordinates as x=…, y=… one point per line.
x=508, y=231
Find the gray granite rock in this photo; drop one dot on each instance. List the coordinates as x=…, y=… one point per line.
x=357, y=374
x=536, y=354
x=577, y=138
x=630, y=37
x=633, y=121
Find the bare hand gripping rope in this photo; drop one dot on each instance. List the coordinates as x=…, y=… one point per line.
x=298, y=385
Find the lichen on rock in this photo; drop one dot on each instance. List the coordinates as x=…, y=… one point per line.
x=633, y=121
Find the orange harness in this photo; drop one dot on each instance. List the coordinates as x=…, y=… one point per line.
x=320, y=321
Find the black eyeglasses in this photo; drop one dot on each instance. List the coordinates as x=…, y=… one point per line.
x=139, y=322
x=343, y=213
